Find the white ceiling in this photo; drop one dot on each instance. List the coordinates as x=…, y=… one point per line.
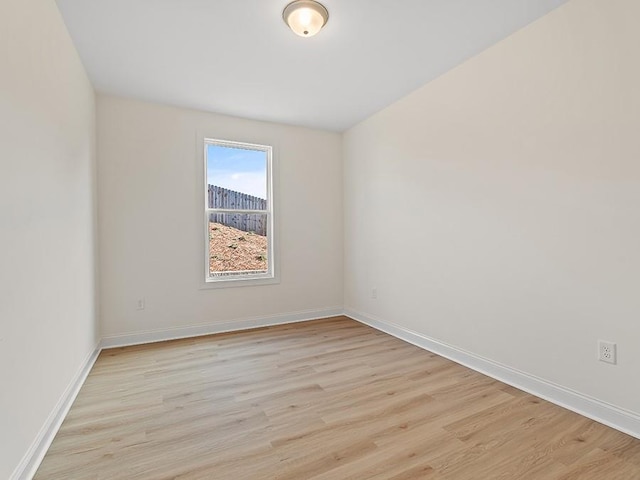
x=238, y=57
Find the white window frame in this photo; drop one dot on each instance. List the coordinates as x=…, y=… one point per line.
x=240, y=278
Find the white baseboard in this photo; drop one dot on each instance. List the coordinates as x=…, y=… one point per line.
x=602, y=412
x=152, y=336
x=29, y=464
x=32, y=459
x=615, y=417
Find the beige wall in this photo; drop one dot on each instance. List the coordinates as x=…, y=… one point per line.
x=496, y=208
x=151, y=224
x=47, y=300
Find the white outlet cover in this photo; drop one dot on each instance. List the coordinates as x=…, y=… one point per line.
x=607, y=352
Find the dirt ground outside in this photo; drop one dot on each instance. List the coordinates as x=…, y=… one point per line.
x=232, y=250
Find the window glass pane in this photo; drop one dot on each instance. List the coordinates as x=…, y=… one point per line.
x=236, y=178
x=237, y=243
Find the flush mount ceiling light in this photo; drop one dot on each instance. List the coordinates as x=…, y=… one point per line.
x=305, y=17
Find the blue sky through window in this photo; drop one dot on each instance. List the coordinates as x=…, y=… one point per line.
x=238, y=169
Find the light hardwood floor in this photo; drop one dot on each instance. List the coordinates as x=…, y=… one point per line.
x=324, y=400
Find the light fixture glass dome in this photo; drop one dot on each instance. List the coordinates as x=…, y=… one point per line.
x=305, y=17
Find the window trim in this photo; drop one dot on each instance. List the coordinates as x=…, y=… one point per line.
x=239, y=279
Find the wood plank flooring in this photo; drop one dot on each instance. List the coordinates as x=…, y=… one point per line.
x=324, y=400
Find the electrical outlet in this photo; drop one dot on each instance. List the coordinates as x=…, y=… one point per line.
x=140, y=305
x=607, y=352
x=374, y=293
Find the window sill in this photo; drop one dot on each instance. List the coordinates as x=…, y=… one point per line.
x=238, y=282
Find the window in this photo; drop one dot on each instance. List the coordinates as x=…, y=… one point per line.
x=238, y=212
